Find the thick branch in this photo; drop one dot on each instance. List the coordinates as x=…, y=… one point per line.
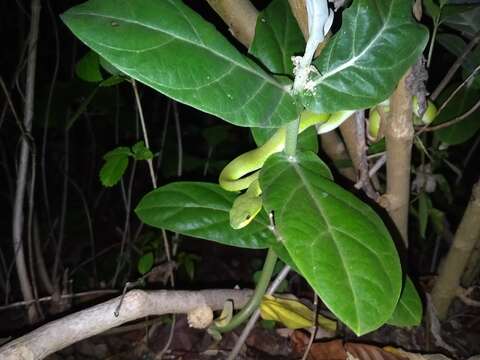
x=334, y=148
x=137, y=304
x=399, y=139
x=466, y=237
x=240, y=16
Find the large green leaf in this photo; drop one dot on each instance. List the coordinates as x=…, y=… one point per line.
x=363, y=62
x=339, y=244
x=201, y=210
x=169, y=47
x=277, y=38
x=463, y=18
x=409, y=308
x=460, y=104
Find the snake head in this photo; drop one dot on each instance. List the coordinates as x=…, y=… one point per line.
x=244, y=209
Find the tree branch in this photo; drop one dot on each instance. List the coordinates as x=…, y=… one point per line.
x=70, y=329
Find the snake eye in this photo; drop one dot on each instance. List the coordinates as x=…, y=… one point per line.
x=248, y=217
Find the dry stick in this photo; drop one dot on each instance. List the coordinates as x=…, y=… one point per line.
x=144, y=131
x=378, y=165
x=240, y=16
x=178, y=132
x=126, y=227
x=253, y=319
x=450, y=97
x=453, y=69
x=63, y=212
x=363, y=172
x=466, y=236
x=18, y=218
x=40, y=259
x=53, y=81
x=453, y=121
x=31, y=202
x=399, y=139
x=457, y=89
x=350, y=136
x=154, y=184
x=70, y=329
x=63, y=296
x=91, y=233
x=315, y=329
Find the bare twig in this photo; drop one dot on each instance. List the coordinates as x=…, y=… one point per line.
x=253, y=319
x=178, y=131
x=314, y=332
x=453, y=69
x=91, y=293
x=18, y=218
x=453, y=121
x=144, y=130
x=363, y=177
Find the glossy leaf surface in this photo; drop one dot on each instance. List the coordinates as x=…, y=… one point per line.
x=201, y=210
x=169, y=47
x=116, y=162
x=339, y=244
x=277, y=38
x=409, y=308
x=363, y=62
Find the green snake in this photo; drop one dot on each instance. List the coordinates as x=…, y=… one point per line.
x=243, y=171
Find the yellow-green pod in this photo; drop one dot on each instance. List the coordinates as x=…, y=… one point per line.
x=429, y=114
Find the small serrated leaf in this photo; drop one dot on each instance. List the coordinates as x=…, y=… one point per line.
x=141, y=152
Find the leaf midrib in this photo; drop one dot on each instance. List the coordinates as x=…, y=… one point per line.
x=310, y=191
x=175, y=36
x=353, y=60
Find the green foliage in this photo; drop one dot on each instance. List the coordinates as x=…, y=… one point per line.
x=116, y=162
x=409, y=307
x=168, y=46
x=462, y=102
x=188, y=262
x=339, y=244
x=277, y=38
x=363, y=62
x=88, y=68
x=140, y=152
x=145, y=263
x=201, y=210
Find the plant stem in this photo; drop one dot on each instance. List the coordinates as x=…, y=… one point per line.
x=255, y=300
x=291, y=137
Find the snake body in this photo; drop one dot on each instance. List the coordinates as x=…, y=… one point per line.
x=242, y=172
